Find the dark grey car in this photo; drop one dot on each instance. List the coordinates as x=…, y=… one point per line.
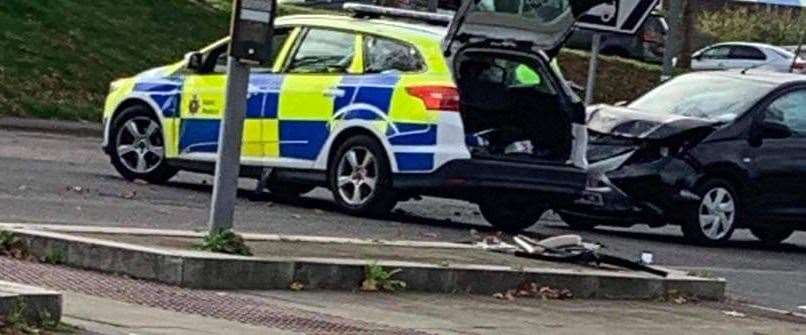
x=646, y=45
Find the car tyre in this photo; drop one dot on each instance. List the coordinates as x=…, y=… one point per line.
x=511, y=218
x=771, y=235
x=578, y=222
x=137, y=146
x=713, y=219
x=360, y=177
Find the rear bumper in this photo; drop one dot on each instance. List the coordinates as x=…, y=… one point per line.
x=475, y=179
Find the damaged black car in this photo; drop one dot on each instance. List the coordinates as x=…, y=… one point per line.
x=711, y=152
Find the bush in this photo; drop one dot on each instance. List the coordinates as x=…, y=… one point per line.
x=753, y=24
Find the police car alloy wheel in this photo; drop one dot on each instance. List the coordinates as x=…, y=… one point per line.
x=138, y=149
x=360, y=177
x=717, y=214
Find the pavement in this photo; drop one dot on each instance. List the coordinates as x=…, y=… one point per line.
x=57, y=178
x=106, y=304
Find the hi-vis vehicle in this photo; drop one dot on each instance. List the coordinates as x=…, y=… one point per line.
x=379, y=110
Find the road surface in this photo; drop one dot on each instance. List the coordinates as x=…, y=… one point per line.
x=68, y=180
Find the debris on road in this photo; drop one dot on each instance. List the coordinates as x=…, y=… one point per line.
x=128, y=194
x=77, y=189
x=429, y=234
x=734, y=314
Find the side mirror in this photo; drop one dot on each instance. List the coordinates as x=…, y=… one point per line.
x=774, y=130
x=194, y=60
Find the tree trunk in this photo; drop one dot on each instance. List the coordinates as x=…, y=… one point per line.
x=689, y=33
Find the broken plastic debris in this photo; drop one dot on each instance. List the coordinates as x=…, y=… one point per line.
x=734, y=314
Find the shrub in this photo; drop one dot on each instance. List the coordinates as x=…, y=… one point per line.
x=225, y=241
x=750, y=24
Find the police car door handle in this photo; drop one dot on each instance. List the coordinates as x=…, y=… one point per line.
x=333, y=92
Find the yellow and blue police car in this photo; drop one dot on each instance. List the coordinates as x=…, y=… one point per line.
x=378, y=111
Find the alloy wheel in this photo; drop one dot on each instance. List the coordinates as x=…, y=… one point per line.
x=139, y=145
x=717, y=213
x=357, y=176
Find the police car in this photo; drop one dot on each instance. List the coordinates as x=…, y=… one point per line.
x=378, y=110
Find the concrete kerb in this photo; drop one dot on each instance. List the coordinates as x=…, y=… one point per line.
x=35, y=305
x=205, y=270
x=83, y=129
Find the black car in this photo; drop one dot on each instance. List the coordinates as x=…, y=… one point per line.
x=711, y=151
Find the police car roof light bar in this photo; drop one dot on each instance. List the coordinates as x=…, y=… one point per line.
x=373, y=12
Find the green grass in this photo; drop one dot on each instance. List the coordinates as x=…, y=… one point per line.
x=57, y=57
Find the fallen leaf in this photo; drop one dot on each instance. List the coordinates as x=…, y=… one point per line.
x=296, y=286
x=369, y=285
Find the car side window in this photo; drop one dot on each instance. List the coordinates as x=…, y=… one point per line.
x=716, y=53
x=381, y=55
x=220, y=54
x=748, y=53
x=323, y=51
x=790, y=110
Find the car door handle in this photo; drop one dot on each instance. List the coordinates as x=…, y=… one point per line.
x=333, y=92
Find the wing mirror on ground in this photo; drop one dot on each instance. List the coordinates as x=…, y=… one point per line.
x=774, y=130
x=194, y=60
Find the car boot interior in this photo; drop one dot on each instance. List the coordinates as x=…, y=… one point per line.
x=510, y=109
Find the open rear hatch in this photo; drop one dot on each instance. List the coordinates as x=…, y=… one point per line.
x=536, y=24
x=522, y=122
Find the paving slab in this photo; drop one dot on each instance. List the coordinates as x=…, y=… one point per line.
x=342, y=266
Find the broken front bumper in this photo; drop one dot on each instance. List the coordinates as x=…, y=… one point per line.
x=651, y=192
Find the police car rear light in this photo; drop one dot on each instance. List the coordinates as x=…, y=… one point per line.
x=443, y=98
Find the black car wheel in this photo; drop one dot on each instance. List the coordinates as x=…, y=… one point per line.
x=578, y=222
x=717, y=214
x=137, y=146
x=771, y=235
x=511, y=217
x=360, y=177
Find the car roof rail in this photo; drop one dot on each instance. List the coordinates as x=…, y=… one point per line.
x=365, y=11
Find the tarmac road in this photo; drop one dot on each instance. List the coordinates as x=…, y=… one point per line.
x=68, y=180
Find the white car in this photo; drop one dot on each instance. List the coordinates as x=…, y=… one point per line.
x=742, y=55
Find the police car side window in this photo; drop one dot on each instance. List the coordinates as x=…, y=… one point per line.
x=381, y=55
x=220, y=54
x=323, y=51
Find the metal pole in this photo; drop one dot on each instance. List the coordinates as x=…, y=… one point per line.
x=433, y=5
x=225, y=188
x=593, y=66
x=672, y=45
x=797, y=50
